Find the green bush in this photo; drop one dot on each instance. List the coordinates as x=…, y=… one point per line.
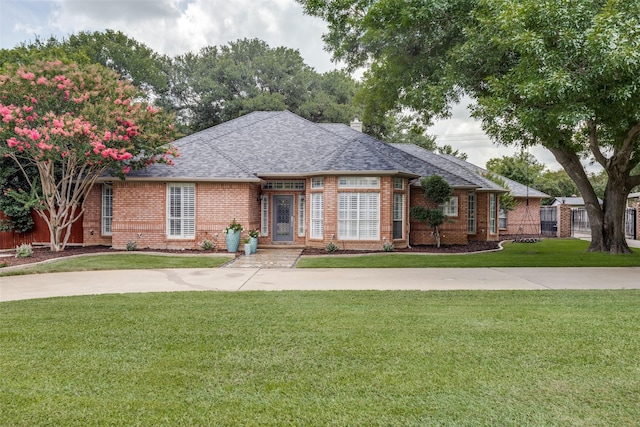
x=24, y=250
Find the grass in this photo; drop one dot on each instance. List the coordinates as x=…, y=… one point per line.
x=507, y=358
x=547, y=253
x=128, y=261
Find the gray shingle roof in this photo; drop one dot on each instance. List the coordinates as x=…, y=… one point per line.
x=471, y=172
x=269, y=144
x=517, y=189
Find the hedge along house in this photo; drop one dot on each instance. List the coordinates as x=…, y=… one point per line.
x=298, y=182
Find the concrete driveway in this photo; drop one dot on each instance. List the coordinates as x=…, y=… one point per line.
x=276, y=279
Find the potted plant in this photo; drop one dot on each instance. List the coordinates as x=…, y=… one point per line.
x=247, y=246
x=253, y=239
x=232, y=232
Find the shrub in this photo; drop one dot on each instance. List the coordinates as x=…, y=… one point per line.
x=387, y=246
x=207, y=245
x=332, y=247
x=24, y=251
x=132, y=246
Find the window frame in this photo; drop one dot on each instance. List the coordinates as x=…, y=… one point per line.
x=106, y=210
x=398, y=215
x=301, y=215
x=492, y=214
x=264, y=215
x=450, y=208
x=359, y=216
x=317, y=183
x=187, y=220
x=472, y=208
x=316, y=216
x=359, y=182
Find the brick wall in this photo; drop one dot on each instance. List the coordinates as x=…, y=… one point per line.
x=564, y=221
x=331, y=191
x=139, y=214
x=521, y=221
x=92, y=221
x=452, y=232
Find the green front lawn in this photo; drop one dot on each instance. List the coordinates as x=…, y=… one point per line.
x=122, y=261
x=547, y=253
x=561, y=358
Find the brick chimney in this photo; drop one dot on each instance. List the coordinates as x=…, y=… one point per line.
x=356, y=125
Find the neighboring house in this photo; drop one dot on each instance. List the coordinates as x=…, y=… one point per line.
x=574, y=202
x=298, y=182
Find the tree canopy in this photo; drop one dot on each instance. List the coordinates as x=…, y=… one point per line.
x=73, y=124
x=221, y=83
x=564, y=75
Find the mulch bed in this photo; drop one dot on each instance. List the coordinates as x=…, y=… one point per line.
x=44, y=254
x=443, y=249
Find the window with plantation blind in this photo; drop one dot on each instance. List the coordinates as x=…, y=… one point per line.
x=181, y=215
x=317, y=214
x=359, y=216
x=107, y=209
x=398, y=215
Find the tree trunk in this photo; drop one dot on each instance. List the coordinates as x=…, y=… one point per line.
x=606, y=222
x=615, y=204
x=436, y=234
x=60, y=221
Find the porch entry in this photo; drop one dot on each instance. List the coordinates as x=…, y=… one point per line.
x=282, y=221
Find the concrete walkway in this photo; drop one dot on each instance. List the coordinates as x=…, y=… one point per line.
x=277, y=279
x=267, y=258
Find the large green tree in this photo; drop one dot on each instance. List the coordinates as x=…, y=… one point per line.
x=221, y=83
x=133, y=60
x=561, y=74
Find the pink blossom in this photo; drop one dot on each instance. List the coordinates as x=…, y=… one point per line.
x=26, y=76
x=126, y=169
x=107, y=136
x=44, y=147
x=42, y=81
x=34, y=134
x=12, y=142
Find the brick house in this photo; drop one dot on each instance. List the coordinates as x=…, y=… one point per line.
x=298, y=182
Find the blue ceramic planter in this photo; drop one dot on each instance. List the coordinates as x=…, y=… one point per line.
x=233, y=241
x=253, y=241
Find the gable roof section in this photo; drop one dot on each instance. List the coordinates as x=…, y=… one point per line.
x=517, y=189
x=419, y=166
x=446, y=164
x=471, y=172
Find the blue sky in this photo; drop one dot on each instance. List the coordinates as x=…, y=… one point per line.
x=174, y=27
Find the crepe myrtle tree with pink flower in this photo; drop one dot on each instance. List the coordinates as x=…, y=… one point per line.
x=75, y=125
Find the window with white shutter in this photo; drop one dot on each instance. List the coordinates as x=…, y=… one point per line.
x=181, y=215
x=317, y=214
x=358, y=216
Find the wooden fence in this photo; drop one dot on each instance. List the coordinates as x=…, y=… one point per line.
x=39, y=235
